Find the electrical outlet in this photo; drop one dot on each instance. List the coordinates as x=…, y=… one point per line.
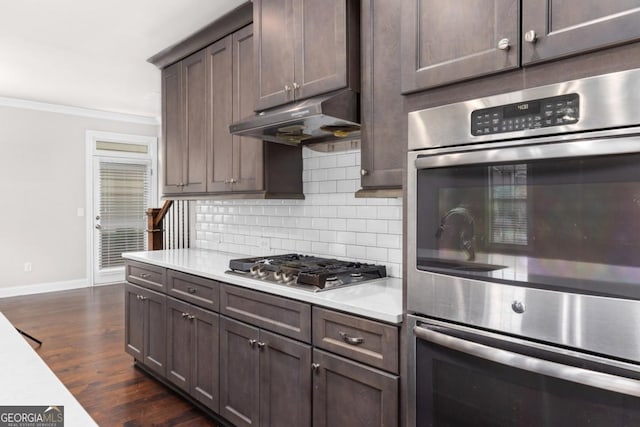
x=27, y=267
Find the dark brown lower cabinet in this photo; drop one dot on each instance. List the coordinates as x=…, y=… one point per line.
x=265, y=378
x=346, y=393
x=145, y=334
x=192, y=351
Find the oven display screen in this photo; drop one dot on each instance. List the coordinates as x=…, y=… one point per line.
x=522, y=109
x=535, y=114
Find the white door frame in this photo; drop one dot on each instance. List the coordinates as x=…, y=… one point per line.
x=92, y=137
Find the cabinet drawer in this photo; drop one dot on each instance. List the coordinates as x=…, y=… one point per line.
x=194, y=289
x=147, y=275
x=281, y=315
x=366, y=341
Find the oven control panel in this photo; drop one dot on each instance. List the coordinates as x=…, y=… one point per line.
x=539, y=113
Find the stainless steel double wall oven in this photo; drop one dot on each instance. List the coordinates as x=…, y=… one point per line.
x=524, y=257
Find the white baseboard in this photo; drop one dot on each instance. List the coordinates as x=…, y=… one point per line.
x=40, y=288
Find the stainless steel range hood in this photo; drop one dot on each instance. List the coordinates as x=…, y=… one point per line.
x=324, y=118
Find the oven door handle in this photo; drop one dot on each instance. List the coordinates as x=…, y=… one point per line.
x=523, y=153
x=532, y=364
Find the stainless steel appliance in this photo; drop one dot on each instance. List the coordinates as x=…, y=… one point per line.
x=306, y=272
x=523, y=274
x=323, y=118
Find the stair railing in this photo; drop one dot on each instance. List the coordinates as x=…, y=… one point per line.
x=168, y=226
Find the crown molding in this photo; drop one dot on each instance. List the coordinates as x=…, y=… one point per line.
x=78, y=111
x=225, y=25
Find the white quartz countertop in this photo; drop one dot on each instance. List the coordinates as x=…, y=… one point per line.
x=28, y=381
x=379, y=299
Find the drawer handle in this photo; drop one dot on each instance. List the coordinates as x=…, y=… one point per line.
x=191, y=317
x=252, y=343
x=351, y=340
x=261, y=345
x=191, y=290
x=315, y=367
x=145, y=275
x=185, y=315
x=141, y=298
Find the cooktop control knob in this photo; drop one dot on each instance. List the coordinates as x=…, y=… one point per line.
x=262, y=272
x=288, y=277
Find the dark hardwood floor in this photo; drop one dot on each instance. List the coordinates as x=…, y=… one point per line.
x=83, y=343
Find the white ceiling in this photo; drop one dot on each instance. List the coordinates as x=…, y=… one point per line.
x=92, y=53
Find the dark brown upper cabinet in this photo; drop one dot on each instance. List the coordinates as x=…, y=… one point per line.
x=553, y=28
x=304, y=48
x=184, y=126
x=201, y=96
x=383, y=144
x=445, y=42
x=235, y=164
x=240, y=165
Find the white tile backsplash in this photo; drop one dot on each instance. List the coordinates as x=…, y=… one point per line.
x=330, y=222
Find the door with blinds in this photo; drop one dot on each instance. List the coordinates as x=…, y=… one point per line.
x=120, y=189
x=122, y=195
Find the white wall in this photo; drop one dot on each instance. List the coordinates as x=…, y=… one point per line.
x=329, y=222
x=42, y=185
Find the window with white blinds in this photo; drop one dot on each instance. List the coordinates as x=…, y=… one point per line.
x=123, y=197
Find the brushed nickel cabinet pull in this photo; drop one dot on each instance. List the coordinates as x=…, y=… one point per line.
x=252, y=343
x=315, y=367
x=261, y=345
x=504, y=44
x=145, y=275
x=531, y=36
x=191, y=290
x=351, y=340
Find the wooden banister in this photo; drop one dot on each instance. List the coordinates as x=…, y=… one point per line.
x=155, y=216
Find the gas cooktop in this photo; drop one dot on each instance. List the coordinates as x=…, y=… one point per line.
x=306, y=272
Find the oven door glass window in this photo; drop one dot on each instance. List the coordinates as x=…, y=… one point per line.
x=562, y=224
x=458, y=389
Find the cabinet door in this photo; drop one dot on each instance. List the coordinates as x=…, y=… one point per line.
x=444, y=42
x=155, y=335
x=285, y=382
x=172, y=113
x=239, y=380
x=568, y=27
x=205, y=369
x=220, y=114
x=273, y=49
x=133, y=322
x=179, y=350
x=383, y=143
x=247, y=152
x=346, y=393
x=194, y=123
x=321, y=46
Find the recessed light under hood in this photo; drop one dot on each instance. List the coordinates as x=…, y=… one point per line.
x=323, y=118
